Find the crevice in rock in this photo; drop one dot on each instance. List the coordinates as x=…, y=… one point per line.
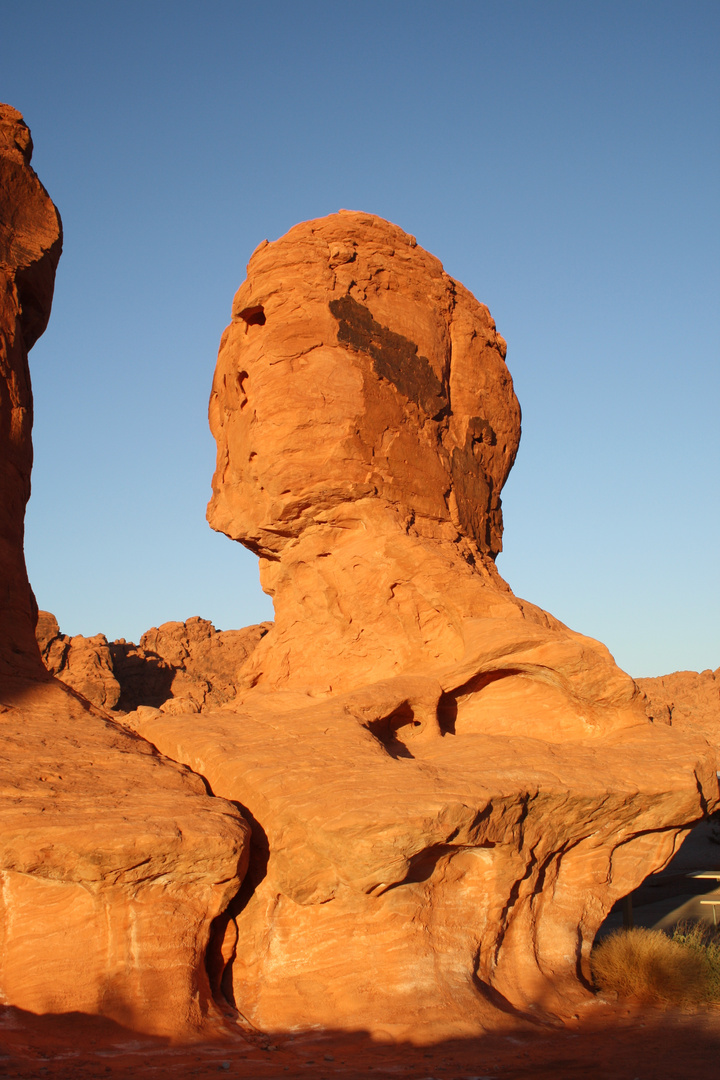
x=386, y=728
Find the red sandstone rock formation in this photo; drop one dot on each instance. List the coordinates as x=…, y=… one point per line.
x=203, y=663
x=687, y=700
x=177, y=667
x=30, y=246
x=114, y=861
x=84, y=664
x=449, y=789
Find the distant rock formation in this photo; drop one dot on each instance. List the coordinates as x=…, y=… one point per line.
x=448, y=788
x=114, y=861
x=83, y=663
x=687, y=700
x=177, y=667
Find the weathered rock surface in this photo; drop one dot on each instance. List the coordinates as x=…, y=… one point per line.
x=203, y=664
x=179, y=666
x=114, y=861
x=30, y=246
x=415, y=885
x=83, y=663
x=448, y=788
x=687, y=700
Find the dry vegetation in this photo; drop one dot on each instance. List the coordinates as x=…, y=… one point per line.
x=651, y=967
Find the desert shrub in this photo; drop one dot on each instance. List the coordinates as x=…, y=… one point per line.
x=705, y=940
x=649, y=966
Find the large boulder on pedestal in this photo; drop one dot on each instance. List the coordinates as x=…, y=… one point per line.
x=449, y=789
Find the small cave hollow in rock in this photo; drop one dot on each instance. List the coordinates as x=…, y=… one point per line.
x=253, y=316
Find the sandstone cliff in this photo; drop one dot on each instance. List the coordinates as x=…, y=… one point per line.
x=114, y=861
x=30, y=246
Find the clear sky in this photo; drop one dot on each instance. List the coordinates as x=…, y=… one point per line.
x=560, y=158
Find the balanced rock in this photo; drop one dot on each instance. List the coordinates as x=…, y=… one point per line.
x=448, y=788
x=114, y=861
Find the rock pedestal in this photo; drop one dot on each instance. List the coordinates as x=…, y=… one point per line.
x=448, y=788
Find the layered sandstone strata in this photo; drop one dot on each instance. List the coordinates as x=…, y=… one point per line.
x=114, y=861
x=448, y=788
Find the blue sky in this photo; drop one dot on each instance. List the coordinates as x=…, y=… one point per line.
x=560, y=158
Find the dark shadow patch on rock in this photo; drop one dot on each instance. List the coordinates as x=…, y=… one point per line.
x=394, y=357
x=479, y=507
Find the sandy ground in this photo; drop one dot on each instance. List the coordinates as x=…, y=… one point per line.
x=607, y=1042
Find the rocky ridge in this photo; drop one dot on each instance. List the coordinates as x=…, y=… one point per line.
x=686, y=700
x=178, y=666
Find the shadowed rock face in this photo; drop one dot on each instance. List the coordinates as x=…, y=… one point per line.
x=30, y=246
x=449, y=789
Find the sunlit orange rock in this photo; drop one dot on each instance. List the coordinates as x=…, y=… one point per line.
x=448, y=788
x=201, y=664
x=688, y=701
x=114, y=861
x=178, y=666
x=82, y=663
